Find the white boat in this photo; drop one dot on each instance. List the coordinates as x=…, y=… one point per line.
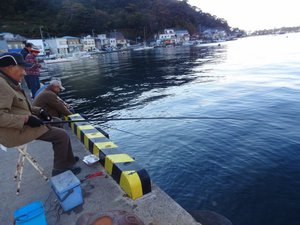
x=97, y=51
x=60, y=60
x=81, y=55
x=188, y=43
x=143, y=48
x=208, y=44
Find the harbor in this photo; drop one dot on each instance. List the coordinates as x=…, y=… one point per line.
x=178, y=112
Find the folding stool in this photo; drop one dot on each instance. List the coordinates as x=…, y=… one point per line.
x=23, y=154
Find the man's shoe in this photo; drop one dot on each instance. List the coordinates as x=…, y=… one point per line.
x=75, y=170
x=76, y=158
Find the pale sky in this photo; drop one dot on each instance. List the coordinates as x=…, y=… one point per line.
x=253, y=14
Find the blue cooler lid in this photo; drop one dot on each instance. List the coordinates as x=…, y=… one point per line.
x=28, y=212
x=64, y=181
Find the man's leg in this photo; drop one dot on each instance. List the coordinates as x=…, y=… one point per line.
x=35, y=84
x=27, y=80
x=63, y=154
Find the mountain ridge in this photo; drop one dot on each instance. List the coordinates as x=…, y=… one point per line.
x=81, y=17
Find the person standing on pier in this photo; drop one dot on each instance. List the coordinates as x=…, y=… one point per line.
x=26, y=50
x=32, y=76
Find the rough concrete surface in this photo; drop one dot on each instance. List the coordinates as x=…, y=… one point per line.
x=100, y=193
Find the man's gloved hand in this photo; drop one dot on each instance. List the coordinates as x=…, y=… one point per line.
x=44, y=115
x=34, y=121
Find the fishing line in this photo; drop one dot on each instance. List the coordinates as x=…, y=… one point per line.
x=124, y=131
x=144, y=137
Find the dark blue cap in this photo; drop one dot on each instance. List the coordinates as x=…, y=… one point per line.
x=8, y=59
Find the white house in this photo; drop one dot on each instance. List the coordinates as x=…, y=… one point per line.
x=168, y=37
x=117, y=39
x=214, y=34
x=101, y=41
x=74, y=44
x=182, y=35
x=112, y=42
x=57, y=45
x=174, y=36
x=88, y=43
x=169, y=31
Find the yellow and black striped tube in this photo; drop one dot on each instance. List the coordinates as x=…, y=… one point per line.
x=132, y=178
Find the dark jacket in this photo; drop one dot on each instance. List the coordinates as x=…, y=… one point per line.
x=24, y=52
x=51, y=103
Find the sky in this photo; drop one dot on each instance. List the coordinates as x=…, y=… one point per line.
x=252, y=15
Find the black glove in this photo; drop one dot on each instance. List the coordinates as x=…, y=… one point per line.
x=45, y=116
x=34, y=121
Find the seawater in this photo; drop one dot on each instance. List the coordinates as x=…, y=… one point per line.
x=246, y=168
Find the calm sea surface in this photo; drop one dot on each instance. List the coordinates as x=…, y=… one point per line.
x=246, y=169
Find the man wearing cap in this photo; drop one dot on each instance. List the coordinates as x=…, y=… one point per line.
x=19, y=123
x=48, y=99
x=32, y=76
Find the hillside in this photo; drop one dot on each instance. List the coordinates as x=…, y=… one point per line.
x=80, y=17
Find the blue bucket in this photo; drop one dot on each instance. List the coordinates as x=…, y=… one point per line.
x=32, y=214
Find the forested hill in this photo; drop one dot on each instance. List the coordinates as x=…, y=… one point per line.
x=79, y=17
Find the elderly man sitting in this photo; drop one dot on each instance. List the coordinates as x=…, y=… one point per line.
x=19, y=123
x=48, y=99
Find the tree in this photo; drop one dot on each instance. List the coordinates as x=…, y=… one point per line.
x=76, y=17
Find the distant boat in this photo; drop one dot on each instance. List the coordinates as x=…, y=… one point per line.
x=97, y=51
x=188, y=43
x=143, y=48
x=60, y=60
x=81, y=55
x=208, y=44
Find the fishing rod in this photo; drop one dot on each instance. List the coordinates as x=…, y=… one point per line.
x=97, y=127
x=145, y=118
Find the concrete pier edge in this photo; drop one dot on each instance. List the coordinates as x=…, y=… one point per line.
x=131, y=177
x=101, y=194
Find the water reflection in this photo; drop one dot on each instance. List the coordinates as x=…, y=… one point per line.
x=120, y=80
x=246, y=170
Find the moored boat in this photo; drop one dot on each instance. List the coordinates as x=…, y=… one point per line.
x=60, y=60
x=143, y=48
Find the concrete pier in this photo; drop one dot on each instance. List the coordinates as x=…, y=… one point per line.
x=100, y=194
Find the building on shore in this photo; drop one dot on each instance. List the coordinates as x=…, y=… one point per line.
x=3, y=44
x=14, y=43
x=74, y=44
x=172, y=36
x=88, y=43
x=57, y=46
